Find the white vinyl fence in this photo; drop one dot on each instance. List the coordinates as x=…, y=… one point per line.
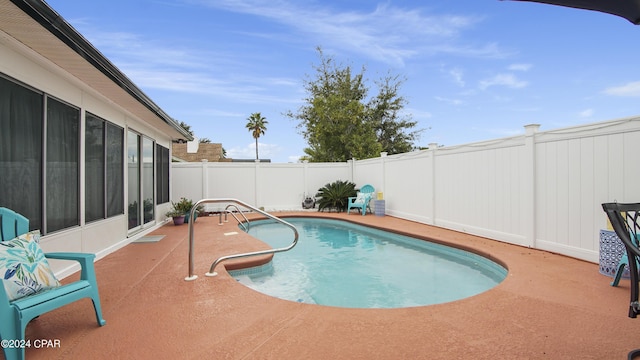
x=270, y=185
x=542, y=189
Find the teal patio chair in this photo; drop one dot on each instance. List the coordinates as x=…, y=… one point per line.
x=624, y=263
x=362, y=200
x=16, y=313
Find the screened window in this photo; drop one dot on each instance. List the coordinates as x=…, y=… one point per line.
x=104, y=163
x=21, y=121
x=115, y=170
x=39, y=181
x=94, y=168
x=40, y=160
x=62, y=165
x=162, y=174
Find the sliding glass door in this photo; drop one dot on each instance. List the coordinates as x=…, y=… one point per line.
x=140, y=163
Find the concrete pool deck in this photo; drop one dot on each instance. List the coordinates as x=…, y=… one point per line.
x=549, y=307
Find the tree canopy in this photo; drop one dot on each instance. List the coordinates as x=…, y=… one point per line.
x=339, y=121
x=187, y=127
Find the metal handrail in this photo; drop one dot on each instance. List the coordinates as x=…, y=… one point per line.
x=227, y=211
x=192, y=276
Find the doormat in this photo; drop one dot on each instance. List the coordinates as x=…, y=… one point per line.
x=149, y=238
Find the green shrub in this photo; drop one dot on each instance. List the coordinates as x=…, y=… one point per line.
x=335, y=195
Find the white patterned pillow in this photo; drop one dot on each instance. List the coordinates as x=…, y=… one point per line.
x=361, y=198
x=23, y=267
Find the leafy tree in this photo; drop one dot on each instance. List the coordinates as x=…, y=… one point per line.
x=205, y=140
x=335, y=195
x=187, y=127
x=339, y=123
x=257, y=125
x=385, y=112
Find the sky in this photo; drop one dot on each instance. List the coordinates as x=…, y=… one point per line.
x=474, y=70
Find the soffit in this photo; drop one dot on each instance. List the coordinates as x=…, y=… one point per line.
x=29, y=32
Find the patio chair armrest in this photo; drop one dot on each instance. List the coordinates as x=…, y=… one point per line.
x=80, y=257
x=85, y=260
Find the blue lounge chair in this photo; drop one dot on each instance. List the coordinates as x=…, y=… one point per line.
x=362, y=200
x=17, y=313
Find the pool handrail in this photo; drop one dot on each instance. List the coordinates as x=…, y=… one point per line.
x=226, y=211
x=192, y=276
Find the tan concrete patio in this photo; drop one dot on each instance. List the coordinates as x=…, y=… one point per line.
x=549, y=307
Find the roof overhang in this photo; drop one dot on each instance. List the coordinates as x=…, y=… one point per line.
x=40, y=28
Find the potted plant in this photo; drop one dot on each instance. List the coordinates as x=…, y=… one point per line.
x=309, y=203
x=147, y=207
x=185, y=206
x=133, y=214
x=177, y=213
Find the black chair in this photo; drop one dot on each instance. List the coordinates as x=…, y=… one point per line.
x=625, y=219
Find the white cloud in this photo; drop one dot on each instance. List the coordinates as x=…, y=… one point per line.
x=242, y=89
x=387, y=33
x=449, y=101
x=586, y=113
x=265, y=151
x=520, y=67
x=418, y=114
x=508, y=80
x=630, y=89
x=457, y=75
x=153, y=65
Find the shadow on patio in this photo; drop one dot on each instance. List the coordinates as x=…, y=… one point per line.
x=549, y=307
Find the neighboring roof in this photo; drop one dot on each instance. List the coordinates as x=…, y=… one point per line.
x=59, y=42
x=199, y=152
x=250, y=160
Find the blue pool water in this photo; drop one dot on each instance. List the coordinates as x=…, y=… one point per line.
x=337, y=263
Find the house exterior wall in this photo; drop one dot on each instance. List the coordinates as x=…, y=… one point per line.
x=100, y=237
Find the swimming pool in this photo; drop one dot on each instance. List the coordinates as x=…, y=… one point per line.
x=337, y=263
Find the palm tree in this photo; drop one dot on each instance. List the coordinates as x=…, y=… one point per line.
x=257, y=126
